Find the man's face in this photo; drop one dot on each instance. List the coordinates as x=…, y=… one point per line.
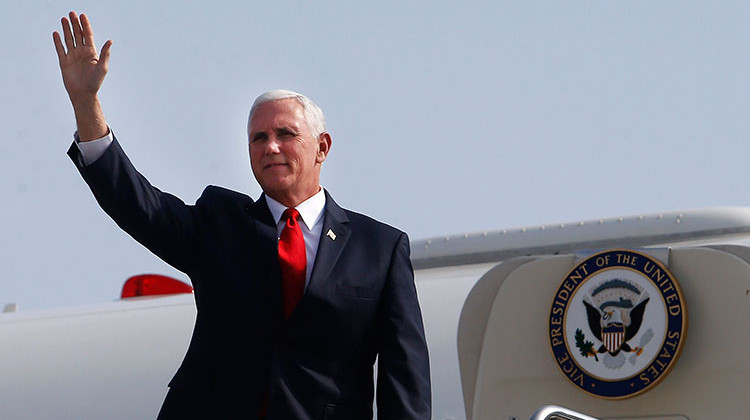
x=284, y=155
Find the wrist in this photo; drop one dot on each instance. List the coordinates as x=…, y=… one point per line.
x=84, y=101
x=90, y=119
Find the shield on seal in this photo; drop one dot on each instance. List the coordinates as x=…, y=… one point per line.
x=613, y=336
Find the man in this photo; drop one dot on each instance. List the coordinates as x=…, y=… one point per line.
x=295, y=296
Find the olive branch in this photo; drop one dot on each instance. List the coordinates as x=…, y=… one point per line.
x=586, y=347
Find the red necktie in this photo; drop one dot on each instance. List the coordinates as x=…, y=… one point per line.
x=293, y=260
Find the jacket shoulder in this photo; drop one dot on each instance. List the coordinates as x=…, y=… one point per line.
x=362, y=223
x=367, y=224
x=213, y=195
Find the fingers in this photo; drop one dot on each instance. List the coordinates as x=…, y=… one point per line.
x=67, y=34
x=104, y=56
x=58, y=45
x=88, y=33
x=77, y=30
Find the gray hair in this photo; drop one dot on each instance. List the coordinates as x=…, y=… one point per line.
x=314, y=117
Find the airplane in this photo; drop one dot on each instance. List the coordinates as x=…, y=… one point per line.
x=496, y=307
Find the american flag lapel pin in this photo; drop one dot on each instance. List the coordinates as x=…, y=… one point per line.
x=331, y=235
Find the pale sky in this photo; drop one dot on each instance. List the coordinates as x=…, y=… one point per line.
x=446, y=117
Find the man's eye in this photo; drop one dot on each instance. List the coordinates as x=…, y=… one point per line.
x=286, y=133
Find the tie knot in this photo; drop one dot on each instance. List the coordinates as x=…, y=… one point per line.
x=290, y=213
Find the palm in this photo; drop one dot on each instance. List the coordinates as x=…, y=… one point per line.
x=82, y=70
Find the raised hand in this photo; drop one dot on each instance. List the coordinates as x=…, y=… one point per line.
x=83, y=72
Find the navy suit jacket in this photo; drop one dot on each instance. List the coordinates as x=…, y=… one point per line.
x=360, y=303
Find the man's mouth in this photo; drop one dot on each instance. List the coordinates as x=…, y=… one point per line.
x=274, y=165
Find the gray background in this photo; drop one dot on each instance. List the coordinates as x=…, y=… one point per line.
x=445, y=117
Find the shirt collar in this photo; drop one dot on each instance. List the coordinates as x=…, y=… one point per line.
x=311, y=210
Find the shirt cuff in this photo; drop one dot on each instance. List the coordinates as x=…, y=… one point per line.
x=94, y=149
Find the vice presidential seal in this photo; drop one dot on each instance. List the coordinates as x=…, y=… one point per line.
x=617, y=324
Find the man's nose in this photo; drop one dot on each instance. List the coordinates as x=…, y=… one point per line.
x=272, y=146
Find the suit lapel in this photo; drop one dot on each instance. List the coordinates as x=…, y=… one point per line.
x=265, y=250
x=333, y=239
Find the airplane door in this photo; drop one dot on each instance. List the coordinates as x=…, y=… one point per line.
x=507, y=364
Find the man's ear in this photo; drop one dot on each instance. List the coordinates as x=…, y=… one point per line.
x=324, y=146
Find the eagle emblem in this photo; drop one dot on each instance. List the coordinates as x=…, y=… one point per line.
x=614, y=310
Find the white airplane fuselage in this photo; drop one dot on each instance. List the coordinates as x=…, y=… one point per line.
x=113, y=360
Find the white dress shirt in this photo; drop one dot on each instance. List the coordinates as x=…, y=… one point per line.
x=310, y=210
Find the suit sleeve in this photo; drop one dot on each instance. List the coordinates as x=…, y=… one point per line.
x=403, y=384
x=158, y=220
